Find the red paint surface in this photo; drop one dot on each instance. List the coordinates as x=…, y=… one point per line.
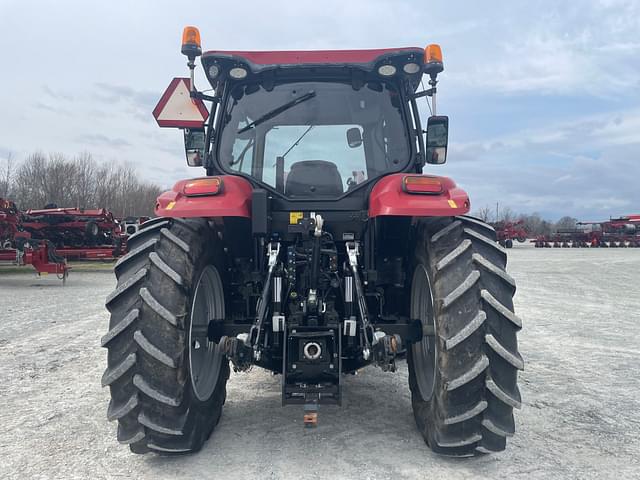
x=387, y=198
x=295, y=57
x=38, y=258
x=233, y=201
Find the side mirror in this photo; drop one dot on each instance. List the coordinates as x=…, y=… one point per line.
x=437, y=139
x=194, y=146
x=354, y=137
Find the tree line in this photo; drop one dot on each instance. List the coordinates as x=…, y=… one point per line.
x=79, y=181
x=533, y=223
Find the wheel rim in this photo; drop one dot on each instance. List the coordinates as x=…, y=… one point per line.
x=424, y=352
x=204, y=356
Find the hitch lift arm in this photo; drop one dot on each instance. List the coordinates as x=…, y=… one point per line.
x=273, y=251
x=367, y=327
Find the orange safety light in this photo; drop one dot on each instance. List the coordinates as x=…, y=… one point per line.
x=421, y=184
x=433, y=53
x=202, y=186
x=433, y=64
x=191, y=46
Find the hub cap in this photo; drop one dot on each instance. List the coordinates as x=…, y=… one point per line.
x=424, y=352
x=205, y=358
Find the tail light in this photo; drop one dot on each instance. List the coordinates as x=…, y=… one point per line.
x=202, y=187
x=421, y=184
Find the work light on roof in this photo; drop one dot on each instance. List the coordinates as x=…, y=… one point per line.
x=214, y=71
x=411, y=68
x=387, y=70
x=238, y=73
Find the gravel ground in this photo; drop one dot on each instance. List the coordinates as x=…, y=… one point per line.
x=580, y=418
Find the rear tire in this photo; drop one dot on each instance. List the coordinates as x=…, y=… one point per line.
x=474, y=369
x=149, y=354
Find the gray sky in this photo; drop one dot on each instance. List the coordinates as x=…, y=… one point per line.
x=543, y=96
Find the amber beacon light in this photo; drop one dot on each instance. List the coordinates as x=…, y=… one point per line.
x=191, y=46
x=433, y=63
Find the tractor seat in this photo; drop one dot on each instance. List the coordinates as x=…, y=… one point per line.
x=313, y=178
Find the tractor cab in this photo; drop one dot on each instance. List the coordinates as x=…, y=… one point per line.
x=318, y=125
x=312, y=132
x=313, y=124
x=325, y=140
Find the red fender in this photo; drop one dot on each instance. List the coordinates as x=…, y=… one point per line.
x=388, y=198
x=233, y=201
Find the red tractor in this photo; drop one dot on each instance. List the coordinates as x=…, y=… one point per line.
x=313, y=247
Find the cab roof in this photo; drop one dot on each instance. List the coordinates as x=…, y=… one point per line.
x=313, y=57
x=312, y=63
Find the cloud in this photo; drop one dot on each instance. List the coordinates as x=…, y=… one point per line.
x=561, y=47
x=584, y=168
x=57, y=94
x=132, y=102
x=49, y=108
x=110, y=93
x=594, y=131
x=99, y=140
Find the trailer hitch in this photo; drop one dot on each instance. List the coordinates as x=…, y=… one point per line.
x=385, y=351
x=237, y=350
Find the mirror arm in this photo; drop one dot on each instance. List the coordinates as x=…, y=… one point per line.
x=424, y=93
x=421, y=153
x=209, y=162
x=433, y=82
x=202, y=96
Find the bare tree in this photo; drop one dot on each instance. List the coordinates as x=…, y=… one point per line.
x=485, y=214
x=84, y=181
x=566, y=223
x=80, y=182
x=6, y=176
x=506, y=215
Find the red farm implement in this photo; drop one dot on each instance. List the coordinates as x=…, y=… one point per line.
x=618, y=232
x=507, y=232
x=18, y=248
x=41, y=255
x=9, y=220
x=77, y=233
